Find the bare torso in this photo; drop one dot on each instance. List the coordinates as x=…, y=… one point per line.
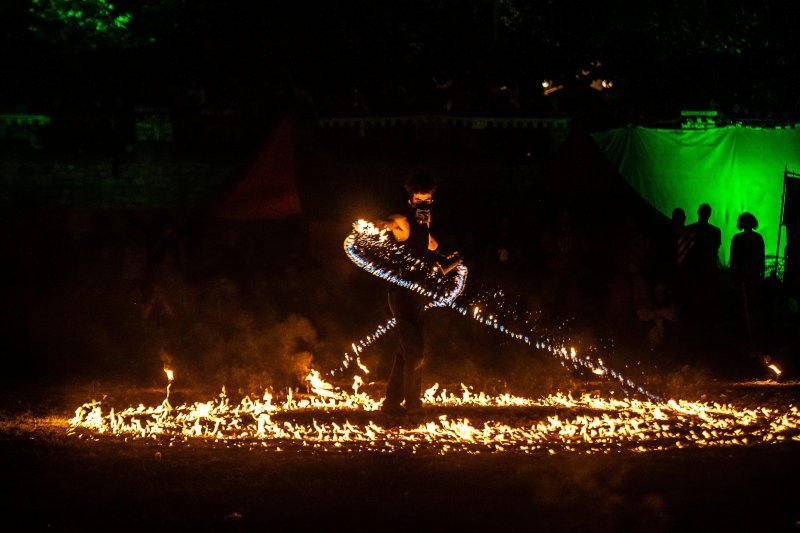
x=401, y=229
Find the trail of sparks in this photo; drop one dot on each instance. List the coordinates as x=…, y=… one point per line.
x=361, y=345
x=371, y=249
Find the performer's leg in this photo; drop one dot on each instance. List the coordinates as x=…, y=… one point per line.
x=407, y=311
x=394, y=387
x=412, y=382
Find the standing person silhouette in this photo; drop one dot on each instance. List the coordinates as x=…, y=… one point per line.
x=680, y=241
x=747, y=271
x=702, y=269
x=681, y=238
x=564, y=250
x=411, y=229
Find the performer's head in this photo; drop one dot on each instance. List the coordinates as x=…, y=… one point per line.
x=420, y=188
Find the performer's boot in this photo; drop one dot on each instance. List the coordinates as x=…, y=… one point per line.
x=413, y=386
x=394, y=388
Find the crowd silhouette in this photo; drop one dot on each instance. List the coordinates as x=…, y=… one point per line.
x=657, y=285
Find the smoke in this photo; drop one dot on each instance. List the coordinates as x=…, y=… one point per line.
x=166, y=358
x=211, y=332
x=254, y=356
x=218, y=338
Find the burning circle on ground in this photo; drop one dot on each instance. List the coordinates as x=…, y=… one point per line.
x=330, y=418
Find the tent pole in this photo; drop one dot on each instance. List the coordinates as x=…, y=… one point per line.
x=780, y=221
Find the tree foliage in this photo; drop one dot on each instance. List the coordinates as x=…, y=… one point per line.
x=83, y=25
x=683, y=49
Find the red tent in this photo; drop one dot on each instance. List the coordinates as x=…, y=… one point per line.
x=267, y=191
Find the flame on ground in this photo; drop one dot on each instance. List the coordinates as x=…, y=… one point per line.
x=555, y=423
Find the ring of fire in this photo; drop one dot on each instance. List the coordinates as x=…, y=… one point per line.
x=555, y=423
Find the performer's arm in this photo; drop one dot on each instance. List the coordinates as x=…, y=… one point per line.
x=432, y=243
x=398, y=224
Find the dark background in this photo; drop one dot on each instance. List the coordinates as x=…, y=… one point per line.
x=736, y=57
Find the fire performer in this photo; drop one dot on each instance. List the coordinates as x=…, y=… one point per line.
x=412, y=230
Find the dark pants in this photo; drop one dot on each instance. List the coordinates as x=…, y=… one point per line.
x=405, y=380
x=751, y=313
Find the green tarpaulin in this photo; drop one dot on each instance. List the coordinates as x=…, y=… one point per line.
x=734, y=169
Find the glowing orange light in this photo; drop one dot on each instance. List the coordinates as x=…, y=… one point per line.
x=598, y=425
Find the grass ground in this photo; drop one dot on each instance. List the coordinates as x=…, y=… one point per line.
x=64, y=483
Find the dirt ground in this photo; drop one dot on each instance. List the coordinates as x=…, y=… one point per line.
x=65, y=483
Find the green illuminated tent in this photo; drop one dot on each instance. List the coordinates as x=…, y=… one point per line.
x=734, y=169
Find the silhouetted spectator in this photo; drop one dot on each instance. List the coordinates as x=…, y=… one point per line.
x=702, y=256
x=635, y=260
x=702, y=264
x=658, y=315
x=681, y=240
x=747, y=270
x=564, y=251
x=747, y=252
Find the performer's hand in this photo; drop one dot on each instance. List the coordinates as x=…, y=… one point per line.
x=386, y=224
x=450, y=261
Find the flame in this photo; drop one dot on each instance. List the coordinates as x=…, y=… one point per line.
x=357, y=382
x=593, y=424
x=367, y=240
x=170, y=374
x=320, y=386
x=775, y=369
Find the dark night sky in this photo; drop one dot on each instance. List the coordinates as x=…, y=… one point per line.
x=738, y=56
